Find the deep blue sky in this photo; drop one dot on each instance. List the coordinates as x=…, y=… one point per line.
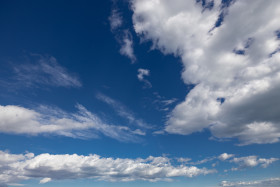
x=78, y=35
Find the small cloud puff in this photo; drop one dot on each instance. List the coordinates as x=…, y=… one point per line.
x=142, y=73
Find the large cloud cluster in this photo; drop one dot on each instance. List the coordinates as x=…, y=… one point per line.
x=46, y=167
x=231, y=53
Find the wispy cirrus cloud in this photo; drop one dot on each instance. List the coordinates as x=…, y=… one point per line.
x=115, y=20
x=44, y=70
x=126, y=43
x=47, y=167
x=122, y=35
x=123, y=111
x=162, y=103
x=53, y=121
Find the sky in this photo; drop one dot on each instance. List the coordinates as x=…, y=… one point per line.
x=140, y=93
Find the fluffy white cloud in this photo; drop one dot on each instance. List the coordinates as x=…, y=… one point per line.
x=273, y=182
x=253, y=161
x=235, y=66
x=44, y=70
x=246, y=162
x=46, y=120
x=49, y=167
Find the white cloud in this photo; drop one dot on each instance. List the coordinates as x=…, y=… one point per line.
x=122, y=111
x=252, y=161
x=203, y=161
x=15, y=168
x=242, y=162
x=127, y=46
x=47, y=120
x=115, y=19
x=142, y=73
x=123, y=36
x=272, y=182
x=183, y=160
x=162, y=103
x=45, y=70
x=225, y=156
x=168, y=101
x=45, y=180
x=234, y=66
x=246, y=162
x=49, y=167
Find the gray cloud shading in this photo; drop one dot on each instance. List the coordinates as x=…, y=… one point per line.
x=234, y=65
x=272, y=182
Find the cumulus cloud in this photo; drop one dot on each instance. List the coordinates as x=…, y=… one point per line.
x=246, y=162
x=44, y=70
x=241, y=162
x=123, y=111
x=47, y=167
x=47, y=120
x=230, y=54
x=252, y=161
x=272, y=182
x=142, y=73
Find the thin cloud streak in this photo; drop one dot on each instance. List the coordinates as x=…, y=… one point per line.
x=45, y=70
x=52, y=121
x=123, y=36
x=123, y=111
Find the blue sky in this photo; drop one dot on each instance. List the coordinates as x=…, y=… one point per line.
x=139, y=92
